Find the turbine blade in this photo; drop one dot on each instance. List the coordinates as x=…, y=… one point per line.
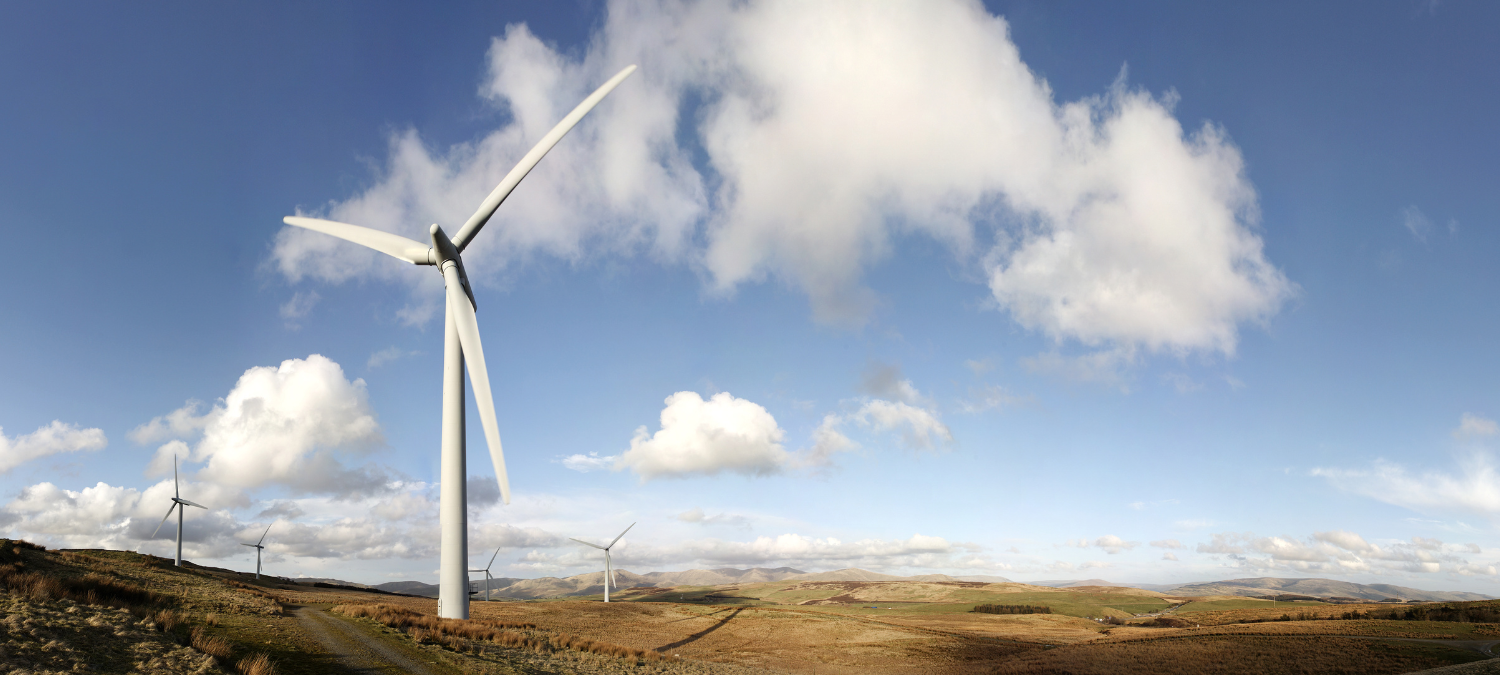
x=492, y=559
x=263, y=534
x=479, y=376
x=176, y=491
x=205, y=508
x=523, y=167
x=250, y=545
x=611, y=544
x=393, y=245
x=610, y=566
x=588, y=544
x=163, y=520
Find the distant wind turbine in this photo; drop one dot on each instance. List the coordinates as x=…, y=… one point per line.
x=486, y=571
x=258, y=548
x=181, y=505
x=609, y=571
x=460, y=348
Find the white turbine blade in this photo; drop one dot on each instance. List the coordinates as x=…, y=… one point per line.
x=479, y=376
x=527, y=163
x=250, y=545
x=263, y=534
x=588, y=544
x=163, y=520
x=393, y=245
x=492, y=559
x=612, y=544
x=609, y=566
x=176, y=491
x=184, y=501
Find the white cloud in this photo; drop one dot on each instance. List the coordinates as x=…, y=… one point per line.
x=697, y=516
x=992, y=397
x=281, y=425
x=385, y=356
x=300, y=305
x=1116, y=226
x=590, y=462
x=1113, y=544
x=920, y=428
x=182, y=423
x=1474, y=426
x=53, y=439
x=1168, y=543
x=1474, y=488
x=1338, y=552
x=1417, y=223
x=1169, y=556
x=697, y=437
x=884, y=380
x=827, y=442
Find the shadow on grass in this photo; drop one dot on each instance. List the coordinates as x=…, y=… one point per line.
x=700, y=634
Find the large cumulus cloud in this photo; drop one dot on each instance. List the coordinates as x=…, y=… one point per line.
x=827, y=131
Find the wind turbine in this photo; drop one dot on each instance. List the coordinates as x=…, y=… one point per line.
x=609, y=572
x=486, y=571
x=181, y=505
x=461, y=348
x=258, y=548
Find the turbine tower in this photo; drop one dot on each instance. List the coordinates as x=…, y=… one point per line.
x=181, y=505
x=257, y=546
x=609, y=572
x=486, y=571
x=461, y=348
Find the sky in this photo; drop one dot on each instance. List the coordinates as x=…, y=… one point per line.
x=1157, y=293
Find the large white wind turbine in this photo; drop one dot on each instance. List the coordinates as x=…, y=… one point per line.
x=181, y=505
x=258, y=548
x=609, y=571
x=486, y=570
x=461, y=348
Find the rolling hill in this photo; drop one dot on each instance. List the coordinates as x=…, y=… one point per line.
x=1322, y=588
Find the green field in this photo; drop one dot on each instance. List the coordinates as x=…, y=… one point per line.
x=1247, y=603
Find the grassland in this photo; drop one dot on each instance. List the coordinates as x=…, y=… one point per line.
x=198, y=620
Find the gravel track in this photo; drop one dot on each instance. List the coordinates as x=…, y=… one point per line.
x=358, y=652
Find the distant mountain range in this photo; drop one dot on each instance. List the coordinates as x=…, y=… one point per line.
x=593, y=583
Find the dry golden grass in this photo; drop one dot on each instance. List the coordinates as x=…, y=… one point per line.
x=256, y=664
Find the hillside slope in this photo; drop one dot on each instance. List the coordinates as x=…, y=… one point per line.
x=1322, y=588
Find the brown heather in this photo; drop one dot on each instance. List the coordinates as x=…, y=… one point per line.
x=452, y=633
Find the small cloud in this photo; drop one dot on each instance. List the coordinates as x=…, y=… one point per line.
x=282, y=509
x=1416, y=222
x=1106, y=366
x=1168, y=543
x=992, y=397
x=920, y=427
x=696, y=515
x=705, y=438
x=1113, y=545
x=1169, y=556
x=980, y=366
x=52, y=439
x=1182, y=382
x=827, y=442
x=299, y=306
x=589, y=462
x=385, y=356
x=482, y=490
x=884, y=380
x=1473, y=426
x=1234, y=382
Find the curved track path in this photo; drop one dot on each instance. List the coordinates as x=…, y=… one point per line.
x=353, y=649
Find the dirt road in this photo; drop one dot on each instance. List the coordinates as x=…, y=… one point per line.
x=356, y=651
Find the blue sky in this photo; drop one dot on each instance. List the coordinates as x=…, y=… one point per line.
x=1042, y=290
